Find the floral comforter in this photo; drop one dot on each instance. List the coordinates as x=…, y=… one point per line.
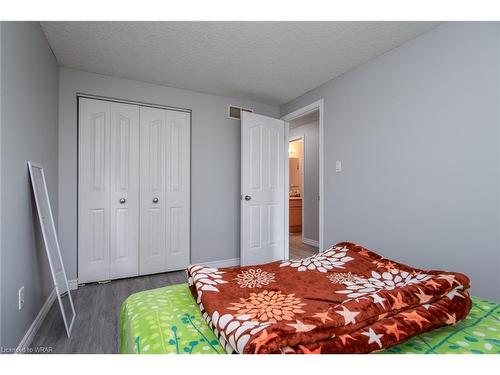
x=344, y=300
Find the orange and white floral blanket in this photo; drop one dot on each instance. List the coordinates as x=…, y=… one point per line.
x=344, y=300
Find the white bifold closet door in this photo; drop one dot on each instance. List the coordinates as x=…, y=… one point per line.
x=108, y=215
x=133, y=190
x=165, y=178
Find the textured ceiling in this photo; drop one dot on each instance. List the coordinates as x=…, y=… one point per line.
x=270, y=62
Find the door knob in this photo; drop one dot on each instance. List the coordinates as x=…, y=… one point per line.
x=122, y=200
x=248, y=197
x=155, y=200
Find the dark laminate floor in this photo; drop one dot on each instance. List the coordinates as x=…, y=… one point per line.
x=96, y=328
x=298, y=249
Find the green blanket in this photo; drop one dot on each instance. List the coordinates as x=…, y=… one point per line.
x=168, y=320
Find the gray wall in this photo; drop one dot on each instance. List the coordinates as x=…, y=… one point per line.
x=1, y=183
x=29, y=86
x=417, y=130
x=310, y=194
x=215, y=161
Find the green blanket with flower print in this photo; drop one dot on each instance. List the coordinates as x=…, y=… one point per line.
x=168, y=320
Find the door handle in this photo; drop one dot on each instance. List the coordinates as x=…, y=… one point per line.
x=155, y=200
x=122, y=200
x=248, y=197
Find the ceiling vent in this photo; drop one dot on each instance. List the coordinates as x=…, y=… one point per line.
x=234, y=112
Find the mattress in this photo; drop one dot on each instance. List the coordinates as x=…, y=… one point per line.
x=168, y=321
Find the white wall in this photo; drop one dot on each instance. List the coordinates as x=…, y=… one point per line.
x=215, y=160
x=29, y=84
x=417, y=130
x=310, y=132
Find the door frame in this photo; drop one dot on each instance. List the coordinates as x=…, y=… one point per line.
x=315, y=106
x=303, y=163
x=140, y=104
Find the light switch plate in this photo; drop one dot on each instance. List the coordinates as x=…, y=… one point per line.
x=21, y=297
x=338, y=166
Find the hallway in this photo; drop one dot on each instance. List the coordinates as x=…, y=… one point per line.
x=298, y=249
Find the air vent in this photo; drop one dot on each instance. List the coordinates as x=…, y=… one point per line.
x=234, y=112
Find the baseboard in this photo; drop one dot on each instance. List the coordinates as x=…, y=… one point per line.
x=307, y=241
x=73, y=284
x=35, y=326
x=221, y=263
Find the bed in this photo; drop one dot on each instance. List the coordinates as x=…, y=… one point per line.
x=168, y=321
x=182, y=319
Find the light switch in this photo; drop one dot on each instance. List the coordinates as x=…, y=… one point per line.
x=338, y=166
x=20, y=295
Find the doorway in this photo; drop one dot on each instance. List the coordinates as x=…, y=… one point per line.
x=265, y=187
x=304, y=130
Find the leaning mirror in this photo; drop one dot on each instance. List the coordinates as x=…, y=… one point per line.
x=52, y=245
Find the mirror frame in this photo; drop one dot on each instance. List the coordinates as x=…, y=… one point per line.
x=31, y=167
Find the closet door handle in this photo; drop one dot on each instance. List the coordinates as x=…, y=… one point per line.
x=155, y=200
x=122, y=200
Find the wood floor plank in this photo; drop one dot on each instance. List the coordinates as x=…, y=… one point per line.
x=96, y=327
x=298, y=249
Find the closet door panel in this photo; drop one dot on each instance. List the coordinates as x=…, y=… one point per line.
x=134, y=190
x=177, y=185
x=152, y=196
x=93, y=190
x=124, y=195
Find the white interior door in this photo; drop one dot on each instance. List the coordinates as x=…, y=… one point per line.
x=165, y=190
x=124, y=194
x=262, y=189
x=93, y=190
x=108, y=190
